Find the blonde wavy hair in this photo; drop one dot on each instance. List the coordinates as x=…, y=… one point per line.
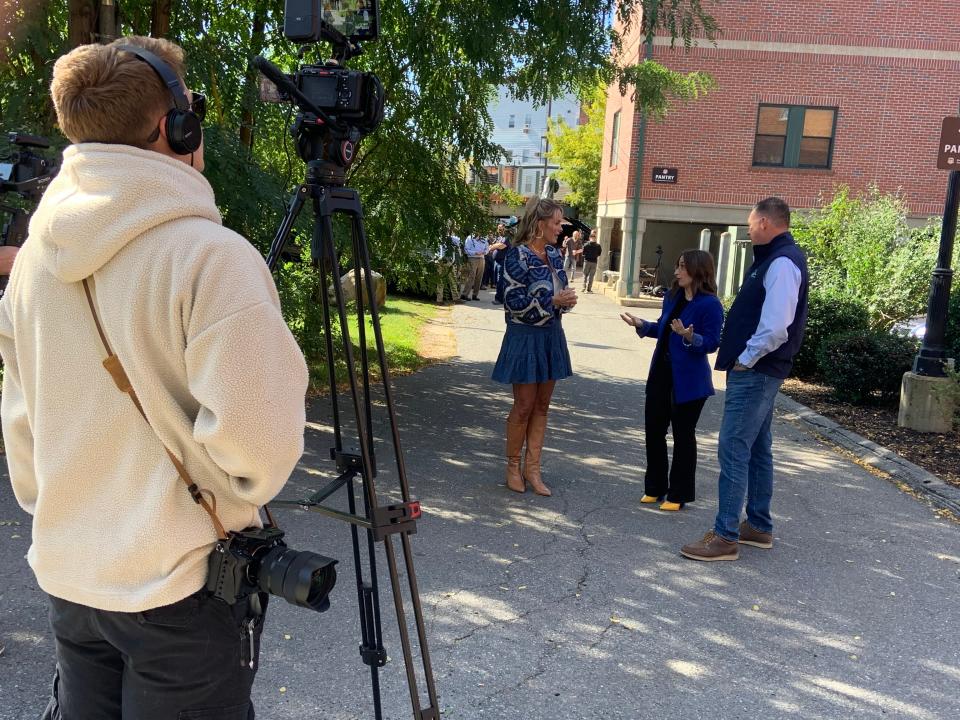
x=537, y=209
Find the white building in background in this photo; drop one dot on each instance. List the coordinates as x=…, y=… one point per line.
x=520, y=128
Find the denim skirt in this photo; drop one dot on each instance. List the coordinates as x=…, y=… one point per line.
x=532, y=354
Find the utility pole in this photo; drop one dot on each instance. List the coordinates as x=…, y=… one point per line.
x=546, y=137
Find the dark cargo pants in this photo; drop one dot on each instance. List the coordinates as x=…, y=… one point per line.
x=186, y=661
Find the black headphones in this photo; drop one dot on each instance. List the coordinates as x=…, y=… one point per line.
x=183, y=125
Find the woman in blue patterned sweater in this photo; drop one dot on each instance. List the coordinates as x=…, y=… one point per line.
x=534, y=354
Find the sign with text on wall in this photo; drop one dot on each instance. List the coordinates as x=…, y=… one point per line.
x=665, y=175
x=949, y=156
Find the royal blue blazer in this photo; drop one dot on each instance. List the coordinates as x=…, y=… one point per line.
x=692, y=377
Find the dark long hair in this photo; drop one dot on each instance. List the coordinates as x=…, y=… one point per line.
x=701, y=269
x=537, y=209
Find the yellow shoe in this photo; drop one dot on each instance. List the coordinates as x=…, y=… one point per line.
x=670, y=506
x=649, y=499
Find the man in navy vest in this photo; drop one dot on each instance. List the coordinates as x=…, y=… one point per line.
x=762, y=333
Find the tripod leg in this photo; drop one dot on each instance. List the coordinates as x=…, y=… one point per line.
x=346, y=201
x=371, y=645
x=362, y=251
x=320, y=264
x=363, y=256
x=286, y=225
x=329, y=251
x=418, y=617
x=359, y=273
x=371, y=635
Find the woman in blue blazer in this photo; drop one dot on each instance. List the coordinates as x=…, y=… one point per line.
x=680, y=379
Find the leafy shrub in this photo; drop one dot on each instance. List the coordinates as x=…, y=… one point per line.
x=862, y=246
x=849, y=239
x=828, y=313
x=859, y=364
x=952, y=339
x=902, y=291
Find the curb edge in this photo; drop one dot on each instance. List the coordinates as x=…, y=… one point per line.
x=925, y=483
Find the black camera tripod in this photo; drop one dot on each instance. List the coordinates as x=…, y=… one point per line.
x=324, y=185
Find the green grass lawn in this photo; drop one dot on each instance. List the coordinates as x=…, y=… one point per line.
x=400, y=323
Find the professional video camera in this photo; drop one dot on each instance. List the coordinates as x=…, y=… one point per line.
x=26, y=173
x=339, y=107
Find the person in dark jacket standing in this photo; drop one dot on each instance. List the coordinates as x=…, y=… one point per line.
x=498, y=251
x=680, y=380
x=762, y=334
x=591, y=251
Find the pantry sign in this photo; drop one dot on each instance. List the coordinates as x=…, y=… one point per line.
x=949, y=155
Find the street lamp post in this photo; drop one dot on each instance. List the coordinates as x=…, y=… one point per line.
x=925, y=401
x=933, y=354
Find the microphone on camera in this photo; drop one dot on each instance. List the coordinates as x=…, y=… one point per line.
x=287, y=86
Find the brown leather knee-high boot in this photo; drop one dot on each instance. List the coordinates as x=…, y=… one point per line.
x=516, y=432
x=536, y=429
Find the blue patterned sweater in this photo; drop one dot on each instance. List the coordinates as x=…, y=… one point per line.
x=528, y=286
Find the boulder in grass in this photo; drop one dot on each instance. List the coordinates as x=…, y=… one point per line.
x=348, y=284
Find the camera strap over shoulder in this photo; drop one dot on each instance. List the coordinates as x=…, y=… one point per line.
x=119, y=375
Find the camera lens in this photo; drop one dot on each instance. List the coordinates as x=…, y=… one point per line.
x=301, y=578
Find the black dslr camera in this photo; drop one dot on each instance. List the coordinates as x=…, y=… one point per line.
x=347, y=95
x=26, y=173
x=257, y=560
x=339, y=106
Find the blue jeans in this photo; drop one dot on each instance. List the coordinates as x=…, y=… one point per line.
x=746, y=452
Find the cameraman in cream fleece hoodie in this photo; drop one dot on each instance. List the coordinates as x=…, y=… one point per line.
x=192, y=312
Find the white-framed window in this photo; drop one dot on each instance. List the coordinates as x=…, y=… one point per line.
x=615, y=140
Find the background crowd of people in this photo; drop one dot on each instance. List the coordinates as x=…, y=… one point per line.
x=464, y=266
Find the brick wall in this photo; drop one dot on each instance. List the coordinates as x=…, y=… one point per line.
x=614, y=180
x=931, y=24
x=889, y=108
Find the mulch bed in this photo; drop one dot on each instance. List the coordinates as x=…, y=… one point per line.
x=935, y=453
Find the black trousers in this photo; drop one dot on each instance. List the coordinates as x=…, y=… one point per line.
x=660, y=413
x=186, y=661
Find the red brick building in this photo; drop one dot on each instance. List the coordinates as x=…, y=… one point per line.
x=810, y=95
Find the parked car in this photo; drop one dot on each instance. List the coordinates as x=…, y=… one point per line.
x=915, y=327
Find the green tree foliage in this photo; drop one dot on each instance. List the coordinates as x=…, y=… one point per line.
x=655, y=87
x=577, y=150
x=862, y=247
x=438, y=60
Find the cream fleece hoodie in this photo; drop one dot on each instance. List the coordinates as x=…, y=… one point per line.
x=191, y=310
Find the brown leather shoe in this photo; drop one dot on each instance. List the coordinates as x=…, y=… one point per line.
x=749, y=535
x=536, y=429
x=516, y=432
x=711, y=547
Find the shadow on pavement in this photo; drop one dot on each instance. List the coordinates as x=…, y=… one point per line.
x=579, y=605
